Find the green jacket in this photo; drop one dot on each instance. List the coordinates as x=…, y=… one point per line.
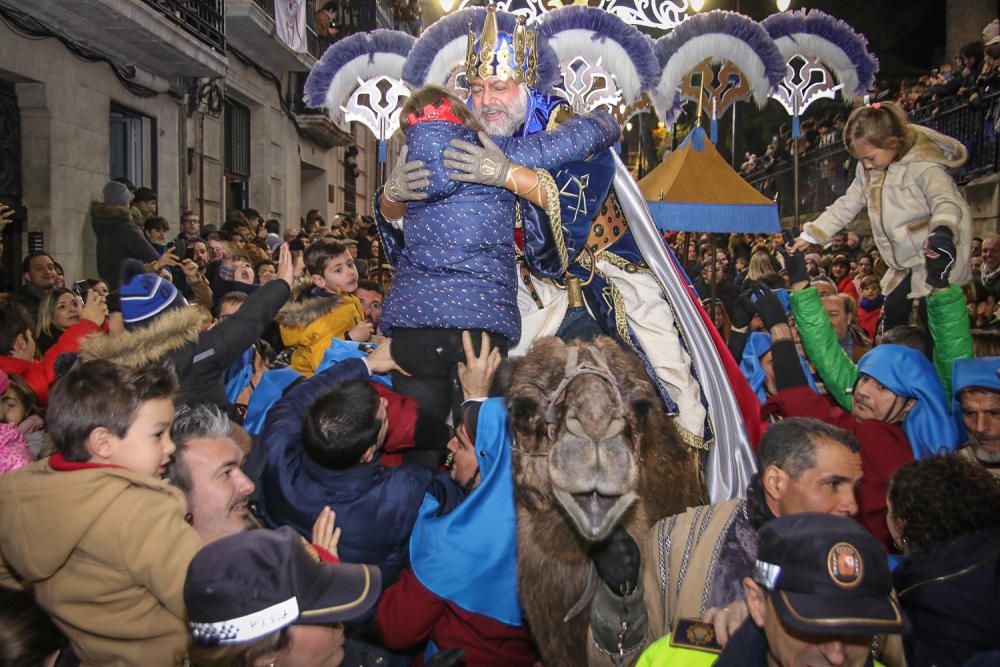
x=947, y=319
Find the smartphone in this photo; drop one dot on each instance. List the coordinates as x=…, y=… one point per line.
x=80, y=288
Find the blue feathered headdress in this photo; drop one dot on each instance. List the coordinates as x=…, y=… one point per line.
x=829, y=40
x=719, y=35
x=442, y=48
x=593, y=33
x=360, y=56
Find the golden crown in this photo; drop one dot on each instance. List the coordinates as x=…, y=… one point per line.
x=501, y=54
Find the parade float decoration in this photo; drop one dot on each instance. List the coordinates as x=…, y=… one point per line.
x=823, y=55
x=750, y=65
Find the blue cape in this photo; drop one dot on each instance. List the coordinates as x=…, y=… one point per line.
x=965, y=373
x=906, y=372
x=238, y=375
x=274, y=382
x=469, y=556
x=757, y=345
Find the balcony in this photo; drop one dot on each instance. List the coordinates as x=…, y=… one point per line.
x=251, y=29
x=314, y=123
x=167, y=38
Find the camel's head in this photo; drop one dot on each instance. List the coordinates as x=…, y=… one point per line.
x=579, y=411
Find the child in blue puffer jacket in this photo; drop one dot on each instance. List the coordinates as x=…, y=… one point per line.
x=456, y=267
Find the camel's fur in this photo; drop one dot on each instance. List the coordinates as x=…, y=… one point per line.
x=553, y=558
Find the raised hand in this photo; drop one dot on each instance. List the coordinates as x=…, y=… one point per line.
x=476, y=373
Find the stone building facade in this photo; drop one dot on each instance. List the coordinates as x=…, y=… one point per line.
x=199, y=100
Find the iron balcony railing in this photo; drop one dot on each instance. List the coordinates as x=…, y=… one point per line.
x=826, y=172
x=205, y=19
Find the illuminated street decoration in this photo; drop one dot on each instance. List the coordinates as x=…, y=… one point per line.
x=658, y=14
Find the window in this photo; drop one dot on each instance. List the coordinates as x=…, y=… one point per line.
x=236, y=161
x=132, y=146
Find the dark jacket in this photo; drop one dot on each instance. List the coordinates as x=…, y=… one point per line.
x=118, y=239
x=376, y=506
x=200, y=357
x=950, y=596
x=747, y=647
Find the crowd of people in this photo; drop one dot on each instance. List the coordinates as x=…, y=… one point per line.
x=211, y=454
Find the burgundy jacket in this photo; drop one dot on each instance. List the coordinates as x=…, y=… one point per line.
x=408, y=614
x=884, y=448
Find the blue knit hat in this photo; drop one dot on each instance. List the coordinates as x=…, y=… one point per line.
x=145, y=296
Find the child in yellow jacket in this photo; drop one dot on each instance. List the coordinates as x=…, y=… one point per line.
x=325, y=309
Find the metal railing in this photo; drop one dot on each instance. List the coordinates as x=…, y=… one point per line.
x=205, y=19
x=826, y=172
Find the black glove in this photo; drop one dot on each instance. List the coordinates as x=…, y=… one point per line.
x=617, y=562
x=795, y=266
x=942, y=242
x=446, y=658
x=768, y=306
x=743, y=311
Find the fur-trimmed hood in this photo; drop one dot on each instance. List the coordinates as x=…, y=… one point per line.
x=103, y=216
x=303, y=308
x=167, y=334
x=932, y=146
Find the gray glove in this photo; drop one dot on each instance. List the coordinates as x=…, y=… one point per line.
x=486, y=164
x=406, y=180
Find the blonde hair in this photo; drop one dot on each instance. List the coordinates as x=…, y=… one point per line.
x=759, y=266
x=46, y=324
x=434, y=95
x=883, y=125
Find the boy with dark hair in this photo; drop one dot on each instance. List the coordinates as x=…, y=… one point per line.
x=325, y=309
x=155, y=229
x=96, y=532
x=323, y=444
x=143, y=205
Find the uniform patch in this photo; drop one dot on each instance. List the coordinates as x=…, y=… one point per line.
x=845, y=565
x=691, y=633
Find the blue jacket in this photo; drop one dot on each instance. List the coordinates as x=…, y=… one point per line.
x=376, y=506
x=456, y=266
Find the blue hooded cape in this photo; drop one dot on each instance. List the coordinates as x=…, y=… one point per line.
x=757, y=345
x=906, y=372
x=965, y=373
x=469, y=556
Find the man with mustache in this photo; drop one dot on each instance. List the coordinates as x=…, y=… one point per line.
x=977, y=397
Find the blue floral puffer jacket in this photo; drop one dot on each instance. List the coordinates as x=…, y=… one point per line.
x=456, y=268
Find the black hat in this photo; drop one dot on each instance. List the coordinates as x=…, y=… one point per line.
x=252, y=584
x=827, y=575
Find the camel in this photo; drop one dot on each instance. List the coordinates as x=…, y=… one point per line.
x=593, y=448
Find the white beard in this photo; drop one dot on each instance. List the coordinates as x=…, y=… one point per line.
x=513, y=116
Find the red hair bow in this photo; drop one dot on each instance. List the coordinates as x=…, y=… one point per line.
x=440, y=112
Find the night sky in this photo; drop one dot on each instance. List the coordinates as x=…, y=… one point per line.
x=908, y=37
